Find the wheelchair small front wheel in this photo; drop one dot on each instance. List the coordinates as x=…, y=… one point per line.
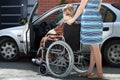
x=43, y=69
x=59, y=59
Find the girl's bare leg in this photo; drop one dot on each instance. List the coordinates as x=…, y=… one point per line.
x=92, y=61
x=98, y=58
x=91, y=65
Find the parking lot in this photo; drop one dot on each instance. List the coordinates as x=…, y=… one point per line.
x=25, y=70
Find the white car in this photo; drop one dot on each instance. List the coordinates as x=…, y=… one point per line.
x=24, y=40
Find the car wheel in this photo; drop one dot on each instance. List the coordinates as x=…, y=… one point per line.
x=8, y=50
x=111, y=53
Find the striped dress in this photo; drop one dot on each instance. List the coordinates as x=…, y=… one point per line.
x=91, y=24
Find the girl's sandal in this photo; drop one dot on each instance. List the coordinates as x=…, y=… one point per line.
x=86, y=74
x=96, y=75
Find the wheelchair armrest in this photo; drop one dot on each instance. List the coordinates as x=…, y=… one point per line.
x=53, y=35
x=58, y=36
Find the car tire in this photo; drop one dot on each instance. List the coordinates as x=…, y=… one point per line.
x=8, y=50
x=111, y=53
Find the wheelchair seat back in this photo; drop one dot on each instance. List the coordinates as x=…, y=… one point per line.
x=71, y=34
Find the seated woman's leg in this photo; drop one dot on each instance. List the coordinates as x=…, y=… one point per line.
x=37, y=60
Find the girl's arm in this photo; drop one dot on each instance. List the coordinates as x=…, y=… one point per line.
x=80, y=9
x=78, y=12
x=100, y=5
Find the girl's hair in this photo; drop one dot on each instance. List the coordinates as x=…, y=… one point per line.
x=68, y=10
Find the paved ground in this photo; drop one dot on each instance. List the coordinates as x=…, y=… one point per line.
x=25, y=70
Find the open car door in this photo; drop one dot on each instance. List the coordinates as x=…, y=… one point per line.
x=27, y=32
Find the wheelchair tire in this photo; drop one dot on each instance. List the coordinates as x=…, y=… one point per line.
x=62, y=60
x=43, y=69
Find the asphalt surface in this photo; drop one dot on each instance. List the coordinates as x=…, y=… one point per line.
x=25, y=70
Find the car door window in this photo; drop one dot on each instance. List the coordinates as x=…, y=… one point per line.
x=107, y=14
x=54, y=18
x=116, y=6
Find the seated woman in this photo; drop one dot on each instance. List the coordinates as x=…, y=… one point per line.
x=71, y=32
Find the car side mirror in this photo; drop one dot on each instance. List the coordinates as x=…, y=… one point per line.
x=23, y=21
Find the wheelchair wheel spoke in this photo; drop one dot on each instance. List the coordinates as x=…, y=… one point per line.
x=59, y=61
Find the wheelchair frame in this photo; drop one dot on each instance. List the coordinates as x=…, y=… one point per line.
x=64, y=61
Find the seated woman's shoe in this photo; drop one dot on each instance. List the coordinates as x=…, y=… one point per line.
x=37, y=61
x=96, y=75
x=86, y=74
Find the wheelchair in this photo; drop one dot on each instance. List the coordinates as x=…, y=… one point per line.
x=59, y=59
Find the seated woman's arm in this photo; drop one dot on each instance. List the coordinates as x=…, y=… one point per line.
x=52, y=31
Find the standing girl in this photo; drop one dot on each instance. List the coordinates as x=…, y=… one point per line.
x=91, y=33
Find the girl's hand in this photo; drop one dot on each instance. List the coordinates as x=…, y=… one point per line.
x=70, y=21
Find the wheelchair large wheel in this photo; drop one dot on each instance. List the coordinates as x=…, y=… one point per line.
x=59, y=59
x=81, y=62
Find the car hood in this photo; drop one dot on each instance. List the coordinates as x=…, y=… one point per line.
x=14, y=28
x=14, y=31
